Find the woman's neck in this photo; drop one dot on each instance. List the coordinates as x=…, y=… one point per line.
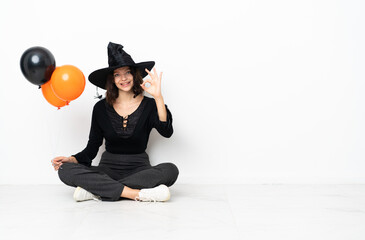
x=126, y=98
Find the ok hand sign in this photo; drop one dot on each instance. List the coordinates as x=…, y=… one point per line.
x=155, y=88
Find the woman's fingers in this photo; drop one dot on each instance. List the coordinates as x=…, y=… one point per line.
x=149, y=81
x=149, y=73
x=154, y=76
x=155, y=83
x=160, y=76
x=57, y=162
x=57, y=167
x=58, y=159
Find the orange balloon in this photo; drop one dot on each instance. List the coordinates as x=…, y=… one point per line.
x=67, y=82
x=51, y=97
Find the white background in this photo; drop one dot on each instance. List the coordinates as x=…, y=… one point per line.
x=260, y=91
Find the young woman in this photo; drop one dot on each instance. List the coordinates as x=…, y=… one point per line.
x=124, y=119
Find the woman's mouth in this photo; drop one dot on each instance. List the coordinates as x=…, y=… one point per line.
x=125, y=84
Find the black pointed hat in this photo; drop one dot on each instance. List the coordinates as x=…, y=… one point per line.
x=117, y=58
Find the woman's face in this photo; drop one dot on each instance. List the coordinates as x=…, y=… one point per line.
x=123, y=79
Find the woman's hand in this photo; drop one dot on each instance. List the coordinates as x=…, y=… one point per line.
x=155, y=88
x=58, y=161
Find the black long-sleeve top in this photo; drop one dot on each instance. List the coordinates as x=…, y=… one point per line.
x=107, y=123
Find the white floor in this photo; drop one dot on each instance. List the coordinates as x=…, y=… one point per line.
x=194, y=212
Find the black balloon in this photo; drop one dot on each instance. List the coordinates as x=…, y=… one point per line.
x=37, y=65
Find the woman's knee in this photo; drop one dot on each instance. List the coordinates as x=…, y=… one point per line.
x=170, y=171
x=65, y=173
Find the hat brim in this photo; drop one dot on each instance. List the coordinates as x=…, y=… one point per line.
x=99, y=77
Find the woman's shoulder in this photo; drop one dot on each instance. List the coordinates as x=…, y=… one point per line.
x=100, y=104
x=150, y=102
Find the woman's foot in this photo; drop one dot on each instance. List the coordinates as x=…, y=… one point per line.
x=81, y=194
x=160, y=193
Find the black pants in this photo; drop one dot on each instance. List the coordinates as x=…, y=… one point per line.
x=116, y=171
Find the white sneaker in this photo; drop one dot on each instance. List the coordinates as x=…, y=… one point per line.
x=81, y=194
x=157, y=194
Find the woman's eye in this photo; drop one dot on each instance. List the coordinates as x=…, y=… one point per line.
x=129, y=72
x=116, y=75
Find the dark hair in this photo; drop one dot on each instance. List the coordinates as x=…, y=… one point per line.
x=112, y=92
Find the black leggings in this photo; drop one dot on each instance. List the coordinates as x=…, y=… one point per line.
x=116, y=171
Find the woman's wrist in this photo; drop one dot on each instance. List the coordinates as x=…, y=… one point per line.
x=159, y=99
x=73, y=159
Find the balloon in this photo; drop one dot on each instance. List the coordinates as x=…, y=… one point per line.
x=68, y=82
x=51, y=97
x=37, y=65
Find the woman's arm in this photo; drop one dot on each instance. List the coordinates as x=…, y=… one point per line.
x=163, y=127
x=155, y=90
x=163, y=123
x=86, y=156
x=161, y=109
